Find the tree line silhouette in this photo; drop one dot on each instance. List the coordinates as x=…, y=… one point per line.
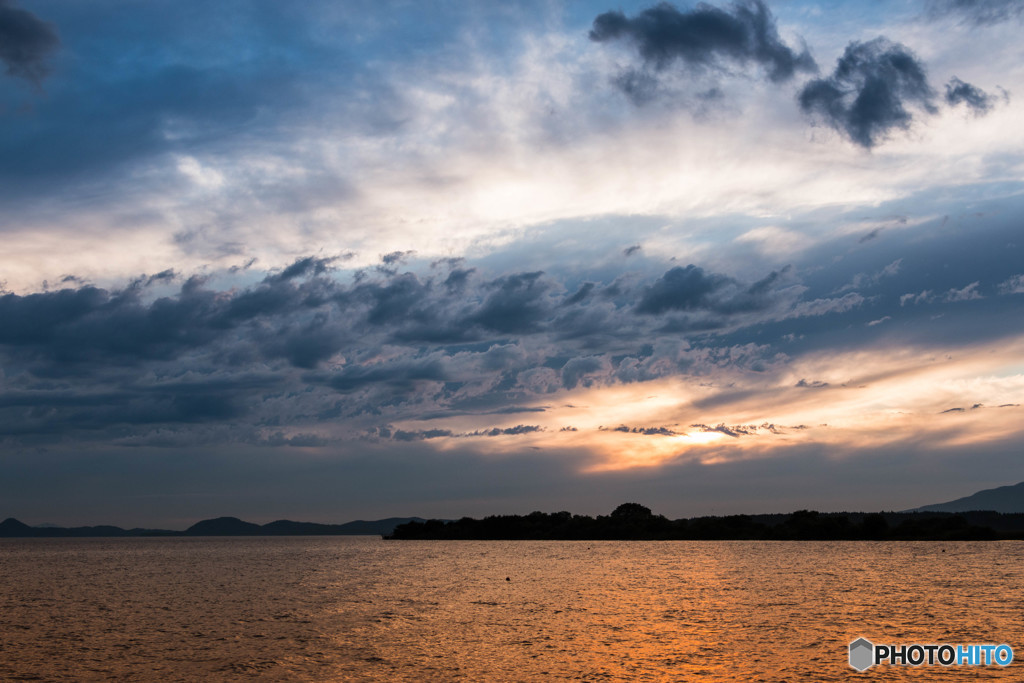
x=632, y=521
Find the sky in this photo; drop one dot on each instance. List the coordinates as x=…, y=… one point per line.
x=336, y=260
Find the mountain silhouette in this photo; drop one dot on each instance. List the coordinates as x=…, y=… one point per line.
x=219, y=526
x=223, y=526
x=11, y=527
x=1005, y=499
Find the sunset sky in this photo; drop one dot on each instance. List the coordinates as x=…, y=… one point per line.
x=336, y=260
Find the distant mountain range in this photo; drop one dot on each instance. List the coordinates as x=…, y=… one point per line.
x=1005, y=499
x=221, y=526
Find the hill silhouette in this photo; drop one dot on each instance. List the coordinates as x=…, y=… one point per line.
x=1007, y=499
x=219, y=526
x=12, y=527
x=223, y=526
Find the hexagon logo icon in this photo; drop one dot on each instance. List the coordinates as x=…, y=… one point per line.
x=862, y=654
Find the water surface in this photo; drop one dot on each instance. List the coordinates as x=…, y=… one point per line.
x=363, y=609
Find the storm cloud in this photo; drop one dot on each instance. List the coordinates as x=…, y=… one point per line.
x=27, y=43
x=704, y=38
x=694, y=289
x=872, y=91
x=327, y=348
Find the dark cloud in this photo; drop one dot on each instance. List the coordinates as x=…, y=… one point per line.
x=515, y=304
x=582, y=293
x=149, y=81
x=401, y=375
x=756, y=297
x=171, y=359
x=402, y=435
x=396, y=257
x=681, y=289
x=705, y=37
x=26, y=42
x=694, y=289
x=509, y=431
x=126, y=406
x=424, y=434
x=646, y=431
x=71, y=330
x=309, y=265
x=975, y=98
x=870, y=236
x=397, y=299
x=457, y=278
x=583, y=370
x=978, y=11
x=869, y=93
x=163, y=276
x=735, y=431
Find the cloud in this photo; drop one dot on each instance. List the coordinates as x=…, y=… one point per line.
x=870, y=236
x=424, y=434
x=508, y=431
x=705, y=38
x=402, y=435
x=585, y=371
x=861, y=280
x=978, y=11
x=975, y=98
x=923, y=297
x=401, y=375
x=1014, y=285
x=681, y=289
x=309, y=265
x=696, y=290
x=734, y=431
x=516, y=303
x=645, y=431
x=582, y=293
x=26, y=42
x=869, y=92
x=315, y=348
x=819, y=307
x=967, y=293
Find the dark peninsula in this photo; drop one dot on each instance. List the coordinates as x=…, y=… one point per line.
x=631, y=521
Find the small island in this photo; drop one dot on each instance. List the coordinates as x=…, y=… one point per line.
x=632, y=521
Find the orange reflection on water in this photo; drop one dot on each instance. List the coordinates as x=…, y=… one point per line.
x=678, y=611
x=363, y=609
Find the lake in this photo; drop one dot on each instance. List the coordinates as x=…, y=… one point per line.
x=364, y=609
